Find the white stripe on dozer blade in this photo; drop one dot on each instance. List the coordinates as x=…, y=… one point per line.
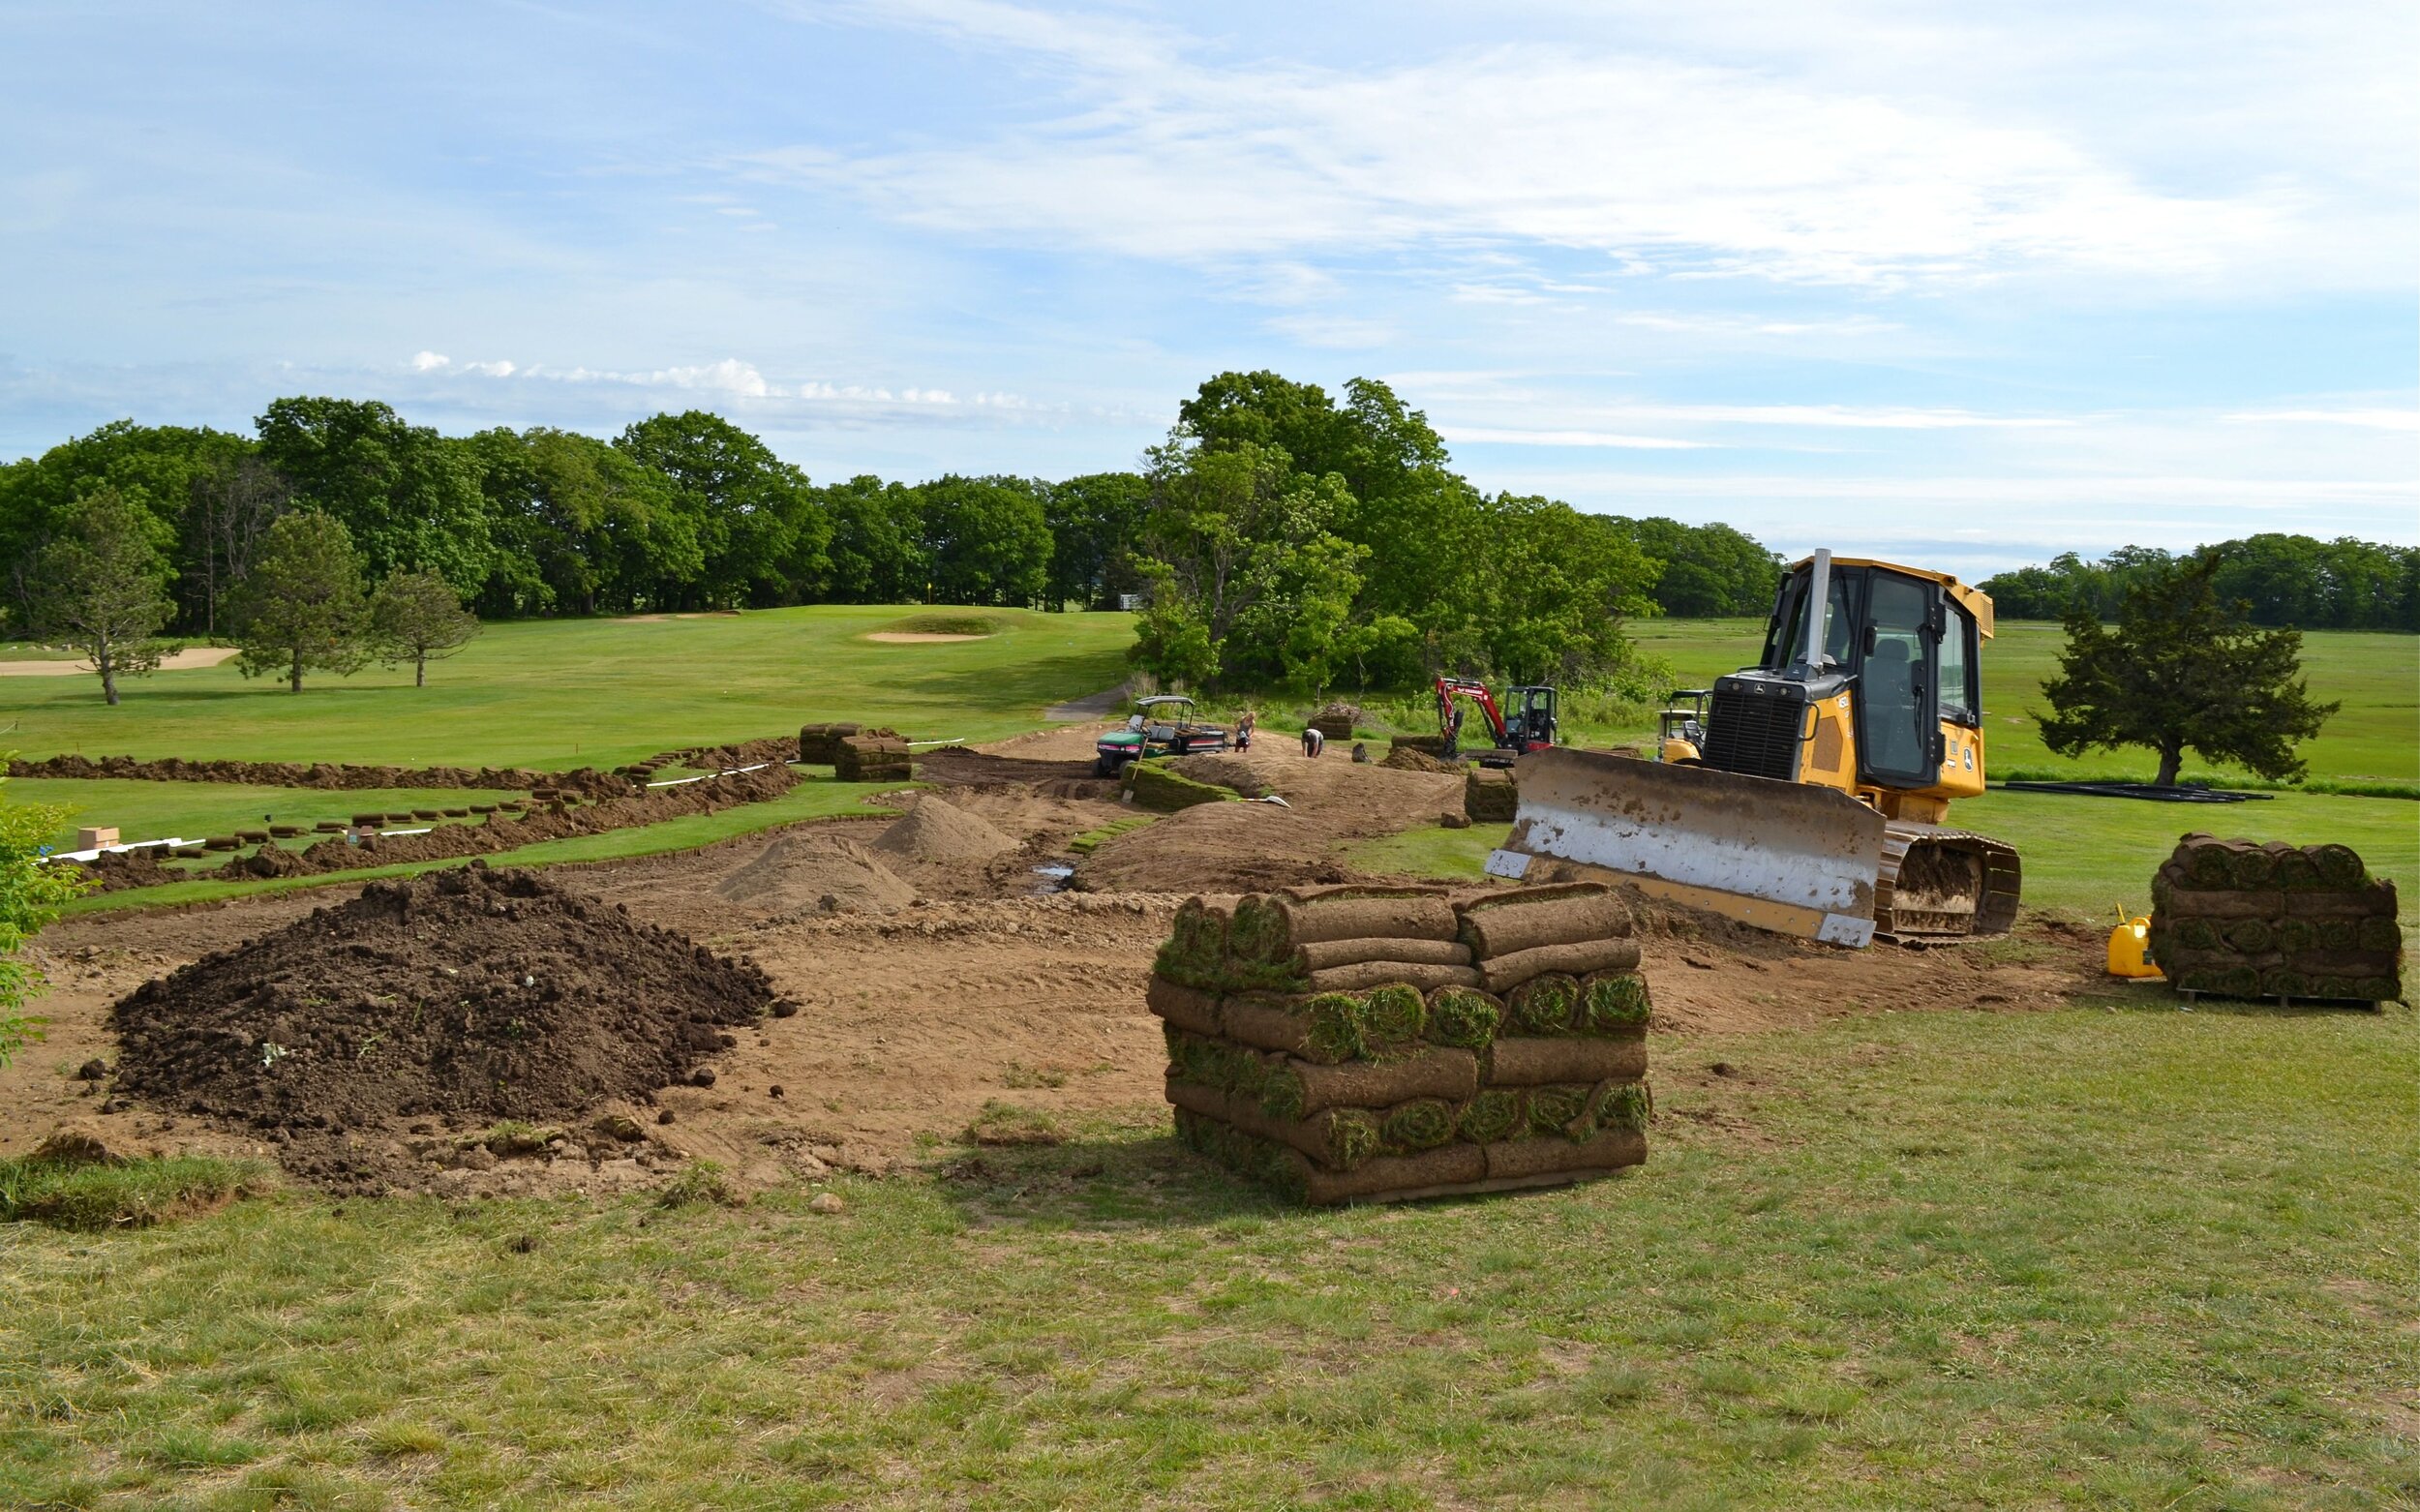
x=1827, y=884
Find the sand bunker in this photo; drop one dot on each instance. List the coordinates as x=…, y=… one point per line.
x=938, y=834
x=799, y=872
x=467, y=996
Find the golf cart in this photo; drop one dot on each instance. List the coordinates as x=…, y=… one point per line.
x=1162, y=726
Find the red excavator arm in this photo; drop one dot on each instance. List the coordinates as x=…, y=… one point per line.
x=1449, y=717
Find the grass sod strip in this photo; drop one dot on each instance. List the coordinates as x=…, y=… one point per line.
x=1365, y=914
x=1548, y=1005
x=1559, y=1109
x=1195, y=952
x=1154, y=787
x=1496, y=1113
x=1613, y=1002
x=1336, y=1138
x=1503, y=972
x=1506, y=926
x=1394, y=1017
x=1516, y=1160
x=1521, y=1061
x=1205, y=1062
x=1325, y=1028
x=1371, y=973
x=1325, y=954
x=1421, y=1124
x=1183, y=1007
x=1464, y=1016
x=1297, y=1089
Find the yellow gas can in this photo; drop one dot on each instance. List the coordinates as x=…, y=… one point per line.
x=2130, y=948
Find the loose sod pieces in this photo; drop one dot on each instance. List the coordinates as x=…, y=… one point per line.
x=1370, y=1044
x=2237, y=918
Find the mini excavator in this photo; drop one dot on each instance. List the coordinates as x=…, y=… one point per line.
x=1806, y=794
x=1525, y=723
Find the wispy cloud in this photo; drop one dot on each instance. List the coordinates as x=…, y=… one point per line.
x=1467, y=434
x=2366, y=419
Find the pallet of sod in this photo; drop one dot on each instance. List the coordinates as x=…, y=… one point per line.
x=1365, y=1043
x=2238, y=918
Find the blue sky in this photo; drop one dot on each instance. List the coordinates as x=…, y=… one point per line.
x=1966, y=285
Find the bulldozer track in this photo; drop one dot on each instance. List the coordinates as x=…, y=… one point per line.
x=1940, y=886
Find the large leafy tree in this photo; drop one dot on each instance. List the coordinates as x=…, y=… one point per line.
x=2183, y=669
x=1093, y=520
x=102, y=586
x=405, y=496
x=760, y=529
x=987, y=540
x=302, y=608
x=1706, y=569
x=878, y=554
x=580, y=527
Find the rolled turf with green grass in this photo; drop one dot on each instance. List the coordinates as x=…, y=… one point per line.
x=2240, y=918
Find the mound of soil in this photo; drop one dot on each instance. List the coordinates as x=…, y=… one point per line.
x=467, y=996
x=1223, y=771
x=934, y=833
x=1410, y=758
x=799, y=872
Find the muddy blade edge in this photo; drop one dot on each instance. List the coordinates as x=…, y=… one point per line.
x=1781, y=856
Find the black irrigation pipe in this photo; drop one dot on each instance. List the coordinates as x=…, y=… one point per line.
x=2144, y=790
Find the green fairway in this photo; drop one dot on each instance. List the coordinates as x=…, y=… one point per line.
x=2376, y=677
x=2089, y=1259
x=550, y=694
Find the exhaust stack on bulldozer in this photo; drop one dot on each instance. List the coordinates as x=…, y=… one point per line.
x=1814, y=805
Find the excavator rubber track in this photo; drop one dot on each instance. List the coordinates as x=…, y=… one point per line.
x=1939, y=886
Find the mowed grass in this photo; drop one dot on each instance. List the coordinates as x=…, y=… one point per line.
x=595, y=692
x=2082, y=856
x=198, y=811
x=2376, y=677
x=808, y=802
x=2091, y=1258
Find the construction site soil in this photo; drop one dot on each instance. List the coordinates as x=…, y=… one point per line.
x=938, y=962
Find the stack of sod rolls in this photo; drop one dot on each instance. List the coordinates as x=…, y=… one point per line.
x=820, y=744
x=1488, y=795
x=2238, y=918
x=872, y=758
x=1366, y=1044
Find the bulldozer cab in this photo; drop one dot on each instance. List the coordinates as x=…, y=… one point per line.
x=1895, y=649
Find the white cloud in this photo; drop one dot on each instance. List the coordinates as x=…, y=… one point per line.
x=428, y=361
x=1679, y=166
x=496, y=369
x=2367, y=419
x=1483, y=436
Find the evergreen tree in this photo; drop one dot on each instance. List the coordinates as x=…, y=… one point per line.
x=301, y=609
x=104, y=585
x=2183, y=669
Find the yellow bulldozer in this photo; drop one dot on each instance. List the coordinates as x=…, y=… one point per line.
x=1806, y=794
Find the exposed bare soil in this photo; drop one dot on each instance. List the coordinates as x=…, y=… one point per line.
x=937, y=970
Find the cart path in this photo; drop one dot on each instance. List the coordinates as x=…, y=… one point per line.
x=1092, y=706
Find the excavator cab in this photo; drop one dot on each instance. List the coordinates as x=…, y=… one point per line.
x=1528, y=718
x=1808, y=795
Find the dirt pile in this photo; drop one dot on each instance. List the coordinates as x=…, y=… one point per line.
x=938, y=834
x=587, y=781
x=467, y=996
x=1222, y=772
x=1406, y=757
x=1362, y=1043
x=798, y=873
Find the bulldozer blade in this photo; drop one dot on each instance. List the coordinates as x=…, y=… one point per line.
x=1781, y=856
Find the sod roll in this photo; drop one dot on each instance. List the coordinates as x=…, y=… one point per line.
x=1489, y=796
x=1525, y=919
x=1336, y=1138
x=1372, y=974
x=1187, y=1007
x=1323, y=1027
x=1274, y=927
x=1514, y=1159
x=1327, y=955
x=1464, y=1016
x=1505, y=971
x=1390, y=1177
x=1526, y=1062
x=1295, y=1088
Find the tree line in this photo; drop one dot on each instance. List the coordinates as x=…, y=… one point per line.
x=2283, y=581
x=1278, y=535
